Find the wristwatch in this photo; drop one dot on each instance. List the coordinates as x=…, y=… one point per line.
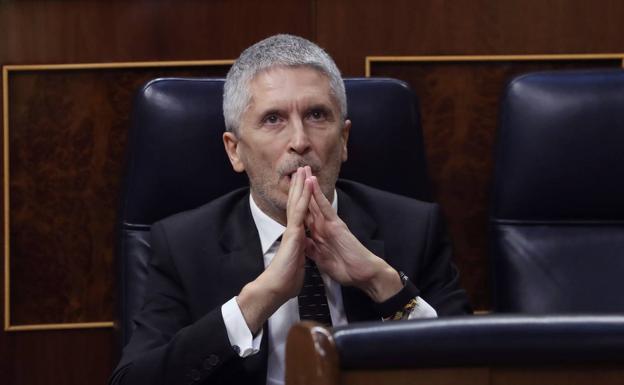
x=404, y=299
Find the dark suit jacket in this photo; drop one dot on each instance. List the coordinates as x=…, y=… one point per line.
x=204, y=257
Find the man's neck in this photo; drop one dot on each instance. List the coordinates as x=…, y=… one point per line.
x=269, y=209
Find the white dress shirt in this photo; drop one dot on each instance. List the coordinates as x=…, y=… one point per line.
x=287, y=315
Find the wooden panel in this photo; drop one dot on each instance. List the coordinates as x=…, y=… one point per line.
x=522, y=375
x=59, y=357
x=459, y=105
x=422, y=376
x=353, y=29
x=69, y=31
x=582, y=374
x=67, y=134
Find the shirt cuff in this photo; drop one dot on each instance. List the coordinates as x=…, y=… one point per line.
x=395, y=303
x=422, y=310
x=241, y=339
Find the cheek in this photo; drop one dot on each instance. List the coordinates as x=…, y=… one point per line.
x=333, y=150
x=259, y=166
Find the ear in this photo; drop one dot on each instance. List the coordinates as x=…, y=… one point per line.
x=230, y=142
x=345, y=139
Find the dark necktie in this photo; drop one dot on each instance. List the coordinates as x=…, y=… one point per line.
x=312, y=300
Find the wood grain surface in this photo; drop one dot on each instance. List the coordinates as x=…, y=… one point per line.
x=67, y=137
x=67, y=128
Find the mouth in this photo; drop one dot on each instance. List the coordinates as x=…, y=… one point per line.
x=288, y=175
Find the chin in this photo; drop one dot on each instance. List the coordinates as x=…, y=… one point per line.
x=328, y=188
x=279, y=201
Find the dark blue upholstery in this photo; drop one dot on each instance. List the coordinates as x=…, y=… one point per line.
x=481, y=341
x=557, y=223
x=176, y=159
x=557, y=216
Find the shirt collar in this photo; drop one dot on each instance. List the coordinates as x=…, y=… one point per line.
x=269, y=229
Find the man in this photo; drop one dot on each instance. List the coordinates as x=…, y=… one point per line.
x=227, y=280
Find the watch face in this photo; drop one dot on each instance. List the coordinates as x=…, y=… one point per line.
x=404, y=278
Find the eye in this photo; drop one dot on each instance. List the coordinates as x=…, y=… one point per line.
x=317, y=114
x=271, y=119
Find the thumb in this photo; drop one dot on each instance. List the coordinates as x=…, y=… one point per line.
x=311, y=250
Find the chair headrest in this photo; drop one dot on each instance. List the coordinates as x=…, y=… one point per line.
x=560, y=153
x=176, y=159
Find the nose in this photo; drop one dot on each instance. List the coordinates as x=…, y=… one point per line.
x=299, y=140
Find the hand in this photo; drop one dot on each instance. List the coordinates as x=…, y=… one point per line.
x=339, y=254
x=283, y=278
x=286, y=271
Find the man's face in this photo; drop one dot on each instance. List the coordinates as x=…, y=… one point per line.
x=292, y=120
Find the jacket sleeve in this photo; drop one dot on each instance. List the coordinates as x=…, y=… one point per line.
x=439, y=278
x=166, y=346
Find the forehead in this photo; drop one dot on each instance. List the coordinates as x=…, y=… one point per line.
x=279, y=85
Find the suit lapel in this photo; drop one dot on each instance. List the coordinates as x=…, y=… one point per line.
x=358, y=306
x=241, y=263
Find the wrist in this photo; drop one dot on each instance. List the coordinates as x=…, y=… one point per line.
x=385, y=283
x=400, y=305
x=257, y=302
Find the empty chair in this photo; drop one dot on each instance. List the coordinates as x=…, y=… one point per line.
x=557, y=215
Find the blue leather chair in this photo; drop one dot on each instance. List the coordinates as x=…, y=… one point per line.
x=558, y=247
x=176, y=160
x=557, y=217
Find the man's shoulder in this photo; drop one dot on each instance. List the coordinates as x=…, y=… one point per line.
x=213, y=213
x=397, y=219
x=374, y=199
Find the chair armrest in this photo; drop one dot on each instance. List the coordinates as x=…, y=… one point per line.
x=481, y=340
x=571, y=347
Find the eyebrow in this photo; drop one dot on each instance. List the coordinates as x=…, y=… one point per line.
x=314, y=105
x=319, y=106
x=271, y=111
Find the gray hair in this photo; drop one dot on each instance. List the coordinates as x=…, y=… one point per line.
x=275, y=51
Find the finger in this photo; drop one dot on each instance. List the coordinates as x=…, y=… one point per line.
x=290, y=190
x=311, y=250
x=296, y=185
x=309, y=219
x=306, y=195
x=309, y=247
x=322, y=263
x=299, y=182
x=312, y=255
x=323, y=204
x=314, y=209
x=301, y=207
x=308, y=171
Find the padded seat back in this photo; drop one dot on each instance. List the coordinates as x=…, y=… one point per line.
x=176, y=160
x=557, y=216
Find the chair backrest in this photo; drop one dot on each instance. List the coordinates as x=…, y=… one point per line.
x=176, y=160
x=557, y=216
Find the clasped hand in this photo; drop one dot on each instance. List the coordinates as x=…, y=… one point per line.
x=314, y=230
